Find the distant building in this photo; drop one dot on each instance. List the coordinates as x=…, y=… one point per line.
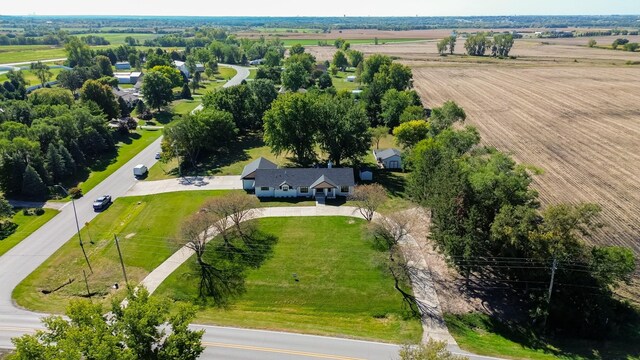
x=388, y=158
x=123, y=65
x=128, y=77
x=267, y=181
x=256, y=62
x=351, y=78
x=182, y=66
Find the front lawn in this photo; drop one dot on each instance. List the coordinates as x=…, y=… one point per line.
x=128, y=147
x=146, y=226
x=340, y=81
x=26, y=226
x=343, y=288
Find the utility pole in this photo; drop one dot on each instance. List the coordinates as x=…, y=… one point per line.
x=124, y=272
x=554, y=266
x=84, y=273
x=75, y=214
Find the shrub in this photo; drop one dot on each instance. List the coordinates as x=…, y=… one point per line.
x=75, y=192
x=39, y=211
x=26, y=212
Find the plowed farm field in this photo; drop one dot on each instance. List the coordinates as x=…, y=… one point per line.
x=581, y=125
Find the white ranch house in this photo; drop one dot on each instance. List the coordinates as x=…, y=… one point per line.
x=388, y=158
x=182, y=66
x=266, y=180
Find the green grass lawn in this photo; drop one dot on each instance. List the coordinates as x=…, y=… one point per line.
x=26, y=226
x=19, y=53
x=482, y=335
x=31, y=78
x=182, y=107
x=342, y=290
x=127, y=149
x=252, y=73
x=340, y=81
x=246, y=150
x=147, y=227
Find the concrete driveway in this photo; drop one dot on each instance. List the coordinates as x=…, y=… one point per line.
x=231, y=182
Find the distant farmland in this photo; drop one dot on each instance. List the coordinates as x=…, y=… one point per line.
x=581, y=125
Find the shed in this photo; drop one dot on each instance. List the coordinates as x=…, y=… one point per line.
x=388, y=158
x=123, y=65
x=351, y=78
x=366, y=174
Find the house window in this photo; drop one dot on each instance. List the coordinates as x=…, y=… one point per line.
x=344, y=189
x=264, y=188
x=285, y=187
x=304, y=190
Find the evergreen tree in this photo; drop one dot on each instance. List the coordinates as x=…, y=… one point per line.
x=54, y=164
x=185, y=93
x=32, y=184
x=69, y=163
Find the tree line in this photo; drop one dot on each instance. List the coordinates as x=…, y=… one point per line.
x=488, y=222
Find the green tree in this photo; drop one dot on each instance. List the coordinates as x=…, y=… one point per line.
x=372, y=65
x=324, y=81
x=409, y=133
x=377, y=134
x=51, y=96
x=78, y=53
x=70, y=79
x=55, y=164
x=413, y=112
x=157, y=89
x=42, y=72
x=355, y=57
x=291, y=125
x=295, y=76
x=32, y=185
x=185, y=93
x=443, y=117
x=296, y=49
x=101, y=94
x=195, y=82
x=394, y=103
x=136, y=331
x=631, y=47
x=340, y=60
x=592, y=43
x=344, y=128
x=476, y=45
x=272, y=58
x=502, y=44
x=452, y=43
x=170, y=73
x=442, y=46
x=104, y=64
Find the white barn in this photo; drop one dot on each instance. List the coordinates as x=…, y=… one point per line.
x=388, y=158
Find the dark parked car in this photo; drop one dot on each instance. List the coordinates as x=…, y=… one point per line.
x=102, y=202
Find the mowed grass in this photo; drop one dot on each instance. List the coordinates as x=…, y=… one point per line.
x=340, y=81
x=13, y=54
x=311, y=42
x=26, y=226
x=31, y=78
x=482, y=335
x=127, y=149
x=147, y=227
x=343, y=288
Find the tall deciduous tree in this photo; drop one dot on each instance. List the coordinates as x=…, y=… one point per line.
x=101, y=94
x=502, y=44
x=355, y=57
x=42, y=72
x=136, y=331
x=156, y=89
x=368, y=198
x=291, y=125
x=104, y=64
x=295, y=76
x=411, y=132
x=78, y=53
x=340, y=60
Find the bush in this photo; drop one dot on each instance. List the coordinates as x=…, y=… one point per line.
x=146, y=115
x=39, y=211
x=26, y=212
x=75, y=192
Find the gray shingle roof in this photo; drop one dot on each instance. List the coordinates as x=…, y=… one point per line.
x=322, y=179
x=303, y=177
x=259, y=163
x=386, y=153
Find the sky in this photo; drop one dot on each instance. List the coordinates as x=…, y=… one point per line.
x=320, y=8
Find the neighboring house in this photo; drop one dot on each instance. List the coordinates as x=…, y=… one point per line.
x=128, y=77
x=267, y=181
x=182, y=66
x=248, y=175
x=351, y=78
x=123, y=65
x=388, y=158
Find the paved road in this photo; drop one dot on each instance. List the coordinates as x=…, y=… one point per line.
x=242, y=73
x=29, y=62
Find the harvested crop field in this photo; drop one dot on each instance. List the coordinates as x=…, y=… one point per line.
x=581, y=125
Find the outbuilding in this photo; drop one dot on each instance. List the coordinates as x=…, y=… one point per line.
x=388, y=158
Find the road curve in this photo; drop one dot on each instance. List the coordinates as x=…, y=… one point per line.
x=242, y=73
